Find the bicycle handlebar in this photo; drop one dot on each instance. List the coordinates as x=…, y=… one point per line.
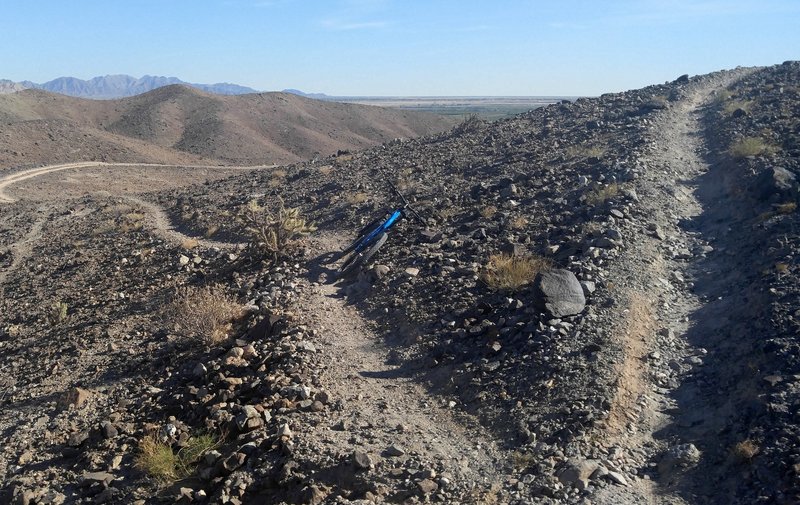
x=406, y=205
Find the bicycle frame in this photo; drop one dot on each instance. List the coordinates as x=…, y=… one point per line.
x=390, y=221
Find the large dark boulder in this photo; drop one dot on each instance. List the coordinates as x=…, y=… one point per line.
x=776, y=182
x=559, y=293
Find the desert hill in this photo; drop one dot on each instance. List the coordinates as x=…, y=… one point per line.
x=181, y=124
x=651, y=358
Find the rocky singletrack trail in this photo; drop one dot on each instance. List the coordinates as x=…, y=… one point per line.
x=656, y=279
x=387, y=414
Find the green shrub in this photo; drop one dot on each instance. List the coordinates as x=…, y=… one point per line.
x=57, y=313
x=157, y=458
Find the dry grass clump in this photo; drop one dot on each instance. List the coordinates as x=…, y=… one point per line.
x=487, y=211
x=580, y=151
x=158, y=460
x=190, y=243
x=203, y=313
x=356, y=198
x=723, y=96
x=745, y=451
x=272, y=231
x=504, y=272
x=786, y=208
x=602, y=194
x=733, y=105
x=750, y=146
x=518, y=223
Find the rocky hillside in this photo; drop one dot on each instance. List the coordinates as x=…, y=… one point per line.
x=652, y=359
x=177, y=124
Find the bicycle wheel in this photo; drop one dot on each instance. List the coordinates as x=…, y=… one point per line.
x=357, y=260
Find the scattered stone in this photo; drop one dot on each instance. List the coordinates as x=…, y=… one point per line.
x=427, y=486
x=362, y=460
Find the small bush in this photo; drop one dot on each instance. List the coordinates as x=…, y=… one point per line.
x=203, y=313
x=582, y=152
x=745, y=451
x=57, y=313
x=734, y=105
x=356, y=198
x=602, y=194
x=509, y=273
x=470, y=124
x=723, y=96
x=786, y=208
x=750, y=146
x=487, y=211
x=272, y=231
x=158, y=460
x=518, y=223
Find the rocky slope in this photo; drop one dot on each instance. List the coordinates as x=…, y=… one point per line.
x=415, y=380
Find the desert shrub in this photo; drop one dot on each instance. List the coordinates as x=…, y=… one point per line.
x=733, y=105
x=487, y=211
x=57, y=313
x=744, y=451
x=203, y=313
x=504, y=272
x=356, y=198
x=272, y=231
x=786, y=208
x=581, y=152
x=601, y=194
x=471, y=124
x=750, y=146
x=157, y=458
x=518, y=223
x=723, y=96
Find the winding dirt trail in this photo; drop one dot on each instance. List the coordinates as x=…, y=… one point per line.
x=386, y=402
x=23, y=175
x=157, y=220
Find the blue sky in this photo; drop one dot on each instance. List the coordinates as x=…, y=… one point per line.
x=398, y=47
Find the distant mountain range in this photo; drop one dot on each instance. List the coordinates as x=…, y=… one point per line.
x=117, y=86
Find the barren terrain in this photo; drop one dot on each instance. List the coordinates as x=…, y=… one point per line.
x=416, y=380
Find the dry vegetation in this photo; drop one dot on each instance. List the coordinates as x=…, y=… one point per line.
x=203, y=313
x=157, y=458
x=602, y=194
x=509, y=273
x=750, y=146
x=272, y=231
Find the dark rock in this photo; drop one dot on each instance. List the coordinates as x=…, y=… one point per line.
x=559, y=293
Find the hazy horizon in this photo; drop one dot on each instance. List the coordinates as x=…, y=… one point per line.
x=365, y=48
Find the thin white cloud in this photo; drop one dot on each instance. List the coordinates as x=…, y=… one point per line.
x=345, y=25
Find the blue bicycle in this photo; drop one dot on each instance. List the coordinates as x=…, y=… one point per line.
x=374, y=235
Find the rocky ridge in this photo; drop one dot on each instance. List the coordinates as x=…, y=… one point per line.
x=656, y=386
